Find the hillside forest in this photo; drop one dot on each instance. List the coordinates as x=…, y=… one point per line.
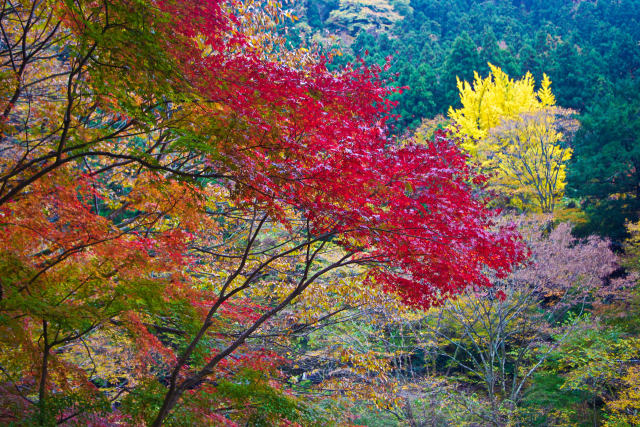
x=320, y=213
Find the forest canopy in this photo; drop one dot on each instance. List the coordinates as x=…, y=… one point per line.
x=249, y=212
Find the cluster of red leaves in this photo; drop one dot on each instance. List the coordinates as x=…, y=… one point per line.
x=56, y=219
x=78, y=269
x=316, y=140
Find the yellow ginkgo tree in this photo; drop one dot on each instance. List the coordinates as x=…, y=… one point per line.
x=518, y=137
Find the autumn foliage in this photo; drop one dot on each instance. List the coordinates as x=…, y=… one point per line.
x=164, y=163
x=518, y=135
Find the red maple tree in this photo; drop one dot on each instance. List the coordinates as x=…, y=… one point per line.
x=178, y=167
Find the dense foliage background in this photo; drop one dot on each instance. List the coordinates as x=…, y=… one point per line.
x=589, y=49
x=309, y=213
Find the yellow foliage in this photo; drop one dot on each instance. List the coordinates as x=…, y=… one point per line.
x=487, y=102
x=632, y=246
x=546, y=97
x=516, y=135
x=428, y=127
x=626, y=408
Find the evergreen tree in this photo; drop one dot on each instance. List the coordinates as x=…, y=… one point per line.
x=461, y=61
x=606, y=167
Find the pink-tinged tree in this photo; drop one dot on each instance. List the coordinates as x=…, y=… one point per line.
x=504, y=335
